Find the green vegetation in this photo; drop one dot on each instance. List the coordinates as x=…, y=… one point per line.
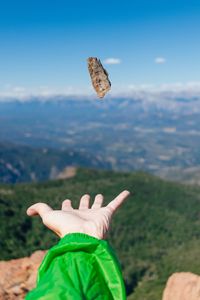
x=155, y=233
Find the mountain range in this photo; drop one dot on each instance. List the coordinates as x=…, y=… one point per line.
x=157, y=136
x=19, y=163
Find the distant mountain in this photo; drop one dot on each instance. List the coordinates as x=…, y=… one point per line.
x=160, y=136
x=24, y=164
x=155, y=233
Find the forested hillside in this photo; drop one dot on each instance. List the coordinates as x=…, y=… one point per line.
x=155, y=233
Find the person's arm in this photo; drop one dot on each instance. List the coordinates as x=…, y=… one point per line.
x=82, y=265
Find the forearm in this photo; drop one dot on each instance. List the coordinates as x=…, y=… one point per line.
x=79, y=267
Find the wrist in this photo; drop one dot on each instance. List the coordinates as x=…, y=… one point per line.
x=92, y=230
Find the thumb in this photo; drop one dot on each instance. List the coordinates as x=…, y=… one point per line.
x=117, y=202
x=38, y=209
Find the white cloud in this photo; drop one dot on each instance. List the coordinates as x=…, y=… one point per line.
x=19, y=89
x=160, y=60
x=9, y=92
x=145, y=92
x=158, y=93
x=112, y=61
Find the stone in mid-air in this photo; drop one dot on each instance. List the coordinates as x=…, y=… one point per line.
x=99, y=76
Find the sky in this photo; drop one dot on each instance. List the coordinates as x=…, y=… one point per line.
x=143, y=44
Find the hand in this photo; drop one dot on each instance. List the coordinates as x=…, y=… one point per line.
x=94, y=221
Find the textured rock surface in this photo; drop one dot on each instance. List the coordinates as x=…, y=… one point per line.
x=18, y=276
x=68, y=172
x=99, y=76
x=182, y=286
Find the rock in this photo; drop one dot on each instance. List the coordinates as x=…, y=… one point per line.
x=68, y=172
x=99, y=76
x=182, y=286
x=18, y=276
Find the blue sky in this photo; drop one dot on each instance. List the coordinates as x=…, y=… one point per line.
x=45, y=44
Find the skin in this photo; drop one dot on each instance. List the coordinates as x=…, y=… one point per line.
x=94, y=221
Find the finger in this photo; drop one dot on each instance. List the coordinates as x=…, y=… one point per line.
x=67, y=205
x=84, y=202
x=98, y=201
x=38, y=209
x=117, y=202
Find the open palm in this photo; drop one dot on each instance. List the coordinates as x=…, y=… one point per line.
x=94, y=221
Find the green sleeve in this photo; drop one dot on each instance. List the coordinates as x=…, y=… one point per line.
x=79, y=267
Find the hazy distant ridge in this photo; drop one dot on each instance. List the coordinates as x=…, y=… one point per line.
x=160, y=136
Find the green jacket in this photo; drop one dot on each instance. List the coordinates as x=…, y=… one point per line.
x=79, y=267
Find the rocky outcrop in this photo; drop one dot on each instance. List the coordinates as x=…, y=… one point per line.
x=182, y=286
x=18, y=276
